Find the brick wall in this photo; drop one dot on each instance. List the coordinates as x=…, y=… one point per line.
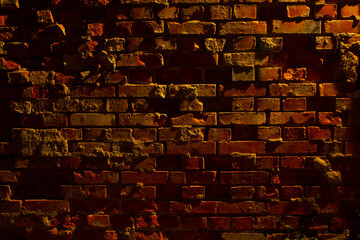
x=179, y=119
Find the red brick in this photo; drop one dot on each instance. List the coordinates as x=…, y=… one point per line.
x=159, y=177
x=95, y=191
x=195, y=223
x=288, y=192
x=267, y=162
x=317, y=133
x=266, y=222
x=345, y=133
x=243, y=192
x=91, y=92
x=329, y=118
x=244, y=177
x=242, y=207
x=242, y=223
x=293, y=147
x=11, y=206
x=294, y=133
x=285, y=207
x=292, y=162
x=241, y=147
x=89, y=177
x=57, y=206
x=265, y=133
x=200, y=177
x=101, y=221
x=193, y=163
x=193, y=192
x=145, y=192
x=219, y=223
x=194, y=148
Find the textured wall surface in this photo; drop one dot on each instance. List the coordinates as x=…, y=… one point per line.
x=179, y=119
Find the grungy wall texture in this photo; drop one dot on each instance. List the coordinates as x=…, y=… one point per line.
x=179, y=119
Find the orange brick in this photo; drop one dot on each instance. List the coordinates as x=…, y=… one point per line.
x=325, y=11
x=245, y=11
x=294, y=104
x=342, y=26
x=268, y=104
x=220, y=12
x=242, y=27
x=269, y=74
x=297, y=11
x=350, y=11
x=244, y=43
x=295, y=27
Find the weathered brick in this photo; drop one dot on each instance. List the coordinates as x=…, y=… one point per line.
x=294, y=27
x=92, y=92
x=243, y=90
x=243, y=104
x=297, y=11
x=168, y=12
x=92, y=119
x=192, y=90
x=201, y=119
x=181, y=134
x=298, y=118
x=140, y=60
x=293, y=89
x=192, y=27
x=193, y=12
x=219, y=12
x=56, y=206
x=245, y=59
x=242, y=118
x=243, y=74
x=329, y=118
x=142, y=119
x=193, y=192
x=9, y=4
x=142, y=90
x=242, y=207
x=242, y=27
